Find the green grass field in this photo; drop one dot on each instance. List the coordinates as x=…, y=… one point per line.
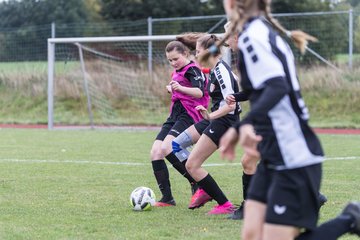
x=76, y=185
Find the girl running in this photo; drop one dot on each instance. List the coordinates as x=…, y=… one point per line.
x=207, y=133
x=283, y=195
x=188, y=89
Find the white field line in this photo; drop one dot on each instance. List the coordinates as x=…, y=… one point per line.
x=14, y=160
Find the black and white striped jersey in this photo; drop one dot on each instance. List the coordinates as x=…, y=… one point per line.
x=222, y=82
x=278, y=111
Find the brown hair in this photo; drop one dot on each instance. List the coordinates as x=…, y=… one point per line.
x=239, y=17
x=178, y=46
x=184, y=43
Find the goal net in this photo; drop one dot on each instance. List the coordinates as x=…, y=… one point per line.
x=108, y=81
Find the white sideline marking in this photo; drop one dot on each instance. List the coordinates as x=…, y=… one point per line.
x=134, y=163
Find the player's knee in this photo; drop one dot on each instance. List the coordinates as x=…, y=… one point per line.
x=156, y=153
x=165, y=149
x=190, y=167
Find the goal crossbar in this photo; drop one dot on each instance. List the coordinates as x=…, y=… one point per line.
x=77, y=41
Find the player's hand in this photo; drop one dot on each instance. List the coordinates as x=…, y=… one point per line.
x=228, y=144
x=168, y=88
x=203, y=111
x=175, y=86
x=249, y=140
x=230, y=99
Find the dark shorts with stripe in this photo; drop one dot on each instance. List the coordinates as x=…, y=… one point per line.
x=291, y=195
x=178, y=121
x=216, y=128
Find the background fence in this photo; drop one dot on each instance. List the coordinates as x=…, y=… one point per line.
x=23, y=51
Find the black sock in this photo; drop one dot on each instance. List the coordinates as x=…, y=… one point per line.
x=161, y=173
x=330, y=230
x=246, y=178
x=211, y=188
x=180, y=167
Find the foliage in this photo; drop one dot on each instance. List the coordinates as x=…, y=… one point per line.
x=20, y=21
x=141, y=9
x=290, y=6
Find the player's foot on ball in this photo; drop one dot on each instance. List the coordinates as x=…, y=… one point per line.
x=353, y=210
x=322, y=199
x=225, y=208
x=199, y=198
x=238, y=214
x=165, y=203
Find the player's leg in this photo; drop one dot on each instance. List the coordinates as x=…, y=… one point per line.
x=184, y=122
x=160, y=169
x=253, y=220
x=279, y=232
x=347, y=222
x=179, y=147
x=292, y=202
x=255, y=206
x=202, y=150
x=249, y=168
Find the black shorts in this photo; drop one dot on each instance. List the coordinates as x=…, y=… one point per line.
x=291, y=195
x=216, y=128
x=178, y=121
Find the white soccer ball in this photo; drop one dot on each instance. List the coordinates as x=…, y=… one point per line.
x=142, y=199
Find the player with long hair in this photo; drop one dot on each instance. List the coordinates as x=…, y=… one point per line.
x=248, y=162
x=207, y=133
x=188, y=90
x=283, y=195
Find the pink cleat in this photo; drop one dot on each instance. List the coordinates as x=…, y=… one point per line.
x=225, y=208
x=199, y=198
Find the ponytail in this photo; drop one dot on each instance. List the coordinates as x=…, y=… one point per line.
x=299, y=37
x=237, y=20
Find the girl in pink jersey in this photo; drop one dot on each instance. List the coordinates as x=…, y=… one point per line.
x=188, y=89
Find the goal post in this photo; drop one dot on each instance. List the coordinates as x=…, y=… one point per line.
x=106, y=81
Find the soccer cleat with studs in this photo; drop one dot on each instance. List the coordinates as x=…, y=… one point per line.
x=163, y=203
x=238, y=214
x=199, y=198
x=225, y=208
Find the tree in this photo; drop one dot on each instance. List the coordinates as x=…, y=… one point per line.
x=291, y=6
x=19, y=18
x=142, y=9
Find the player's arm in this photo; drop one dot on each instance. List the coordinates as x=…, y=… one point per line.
x=267, y=76
x=242, y=96
x=238, y=97
x=223, y=77
x=197, y=79
x=274, y=90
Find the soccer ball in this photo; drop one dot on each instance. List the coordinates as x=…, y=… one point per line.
x=142, y=199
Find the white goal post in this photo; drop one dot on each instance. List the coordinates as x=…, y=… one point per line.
x=125, y=63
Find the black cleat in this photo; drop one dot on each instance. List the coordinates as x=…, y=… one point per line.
x=238, y=214
x=353, y=209
x=322, y=199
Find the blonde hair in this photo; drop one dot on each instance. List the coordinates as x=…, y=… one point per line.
x=240, y=16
